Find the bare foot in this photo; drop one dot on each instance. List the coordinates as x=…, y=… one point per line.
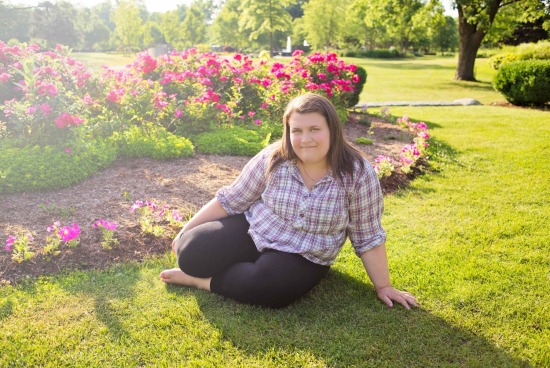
x=178, y=277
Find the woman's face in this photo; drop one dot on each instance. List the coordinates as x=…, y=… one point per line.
x=309, y=137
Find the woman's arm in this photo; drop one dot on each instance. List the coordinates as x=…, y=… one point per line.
x=375, y=262
x=211, y=211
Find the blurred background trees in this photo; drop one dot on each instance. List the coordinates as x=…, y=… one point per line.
x=348, y=26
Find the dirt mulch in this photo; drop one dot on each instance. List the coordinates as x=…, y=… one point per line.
x=185, y=184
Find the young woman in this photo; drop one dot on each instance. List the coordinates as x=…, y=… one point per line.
x=272, y=235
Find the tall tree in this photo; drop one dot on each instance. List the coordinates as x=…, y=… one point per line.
x=195, y=22
x=128, y=24
x=360, y=29
x=53, y=23
x=446, y=37
x=171, y=30
x=475, y=18
x=427, y=23
x=324, y=22
x=264, y=17
x=225, y=24
x=392, y=22
x=152, y=34
x=15, y=22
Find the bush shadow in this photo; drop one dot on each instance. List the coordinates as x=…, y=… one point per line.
x=413, y=66
x=343, y=324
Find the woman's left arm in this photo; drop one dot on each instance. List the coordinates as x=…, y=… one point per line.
x=375, y=262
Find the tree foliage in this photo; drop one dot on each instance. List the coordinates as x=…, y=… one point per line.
x=323, y=22
x=128, y=24
x=264, y=17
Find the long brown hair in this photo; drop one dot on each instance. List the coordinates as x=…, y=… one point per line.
x=341, y=156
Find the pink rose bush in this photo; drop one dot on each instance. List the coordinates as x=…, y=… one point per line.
x=41, y=92
x=48, y=98
x=189, y=92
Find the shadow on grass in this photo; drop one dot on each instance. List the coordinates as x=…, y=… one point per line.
x=413, y=66
x=6, y=309
x=343, y=324
x=479, y=86
x=106, y=292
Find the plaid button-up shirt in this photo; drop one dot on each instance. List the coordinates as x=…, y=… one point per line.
x=286, y=216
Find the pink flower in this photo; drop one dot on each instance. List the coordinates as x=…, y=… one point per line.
x=67, y=150
x=4, y=77
x=45, y=109
x=258, y=122
x=146, y=63
x=46, y=88
x=88, y=100
x=68, y=233
x=178, y=113
x=65, y=119
x=111, y=226
x=251, y=113
x=115, y=95
x=322, y=76
x=176, y=215
x=136, y=205
x=9, y=242
x=423, y=135
x=31, y=110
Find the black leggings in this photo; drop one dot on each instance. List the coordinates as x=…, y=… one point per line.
x=224, y=251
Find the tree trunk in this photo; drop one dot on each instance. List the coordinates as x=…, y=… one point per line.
x=470, y=40
x=471, y=36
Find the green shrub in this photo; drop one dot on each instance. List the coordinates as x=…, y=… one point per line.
x=496, y=61
x=524, y=51
x=537, y=51
x=379, y=53
x=524, y=83
x=231, y=141
x=32, y=168
x=152, y=141
x=363, y=140
x=354, y=98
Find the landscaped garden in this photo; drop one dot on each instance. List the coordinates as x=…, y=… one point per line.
x=469, y=237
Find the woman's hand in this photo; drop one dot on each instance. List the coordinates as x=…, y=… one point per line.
x=389, y=293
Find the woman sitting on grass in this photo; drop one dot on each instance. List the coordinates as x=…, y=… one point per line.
x=271, y=236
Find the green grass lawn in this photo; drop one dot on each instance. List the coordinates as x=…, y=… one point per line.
x=97, y=59
x=470, y=241
x=427, y=78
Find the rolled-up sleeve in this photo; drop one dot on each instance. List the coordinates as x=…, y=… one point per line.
x=366, y=205
x=247, y=187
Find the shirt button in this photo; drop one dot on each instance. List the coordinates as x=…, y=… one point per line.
x=302, y=215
